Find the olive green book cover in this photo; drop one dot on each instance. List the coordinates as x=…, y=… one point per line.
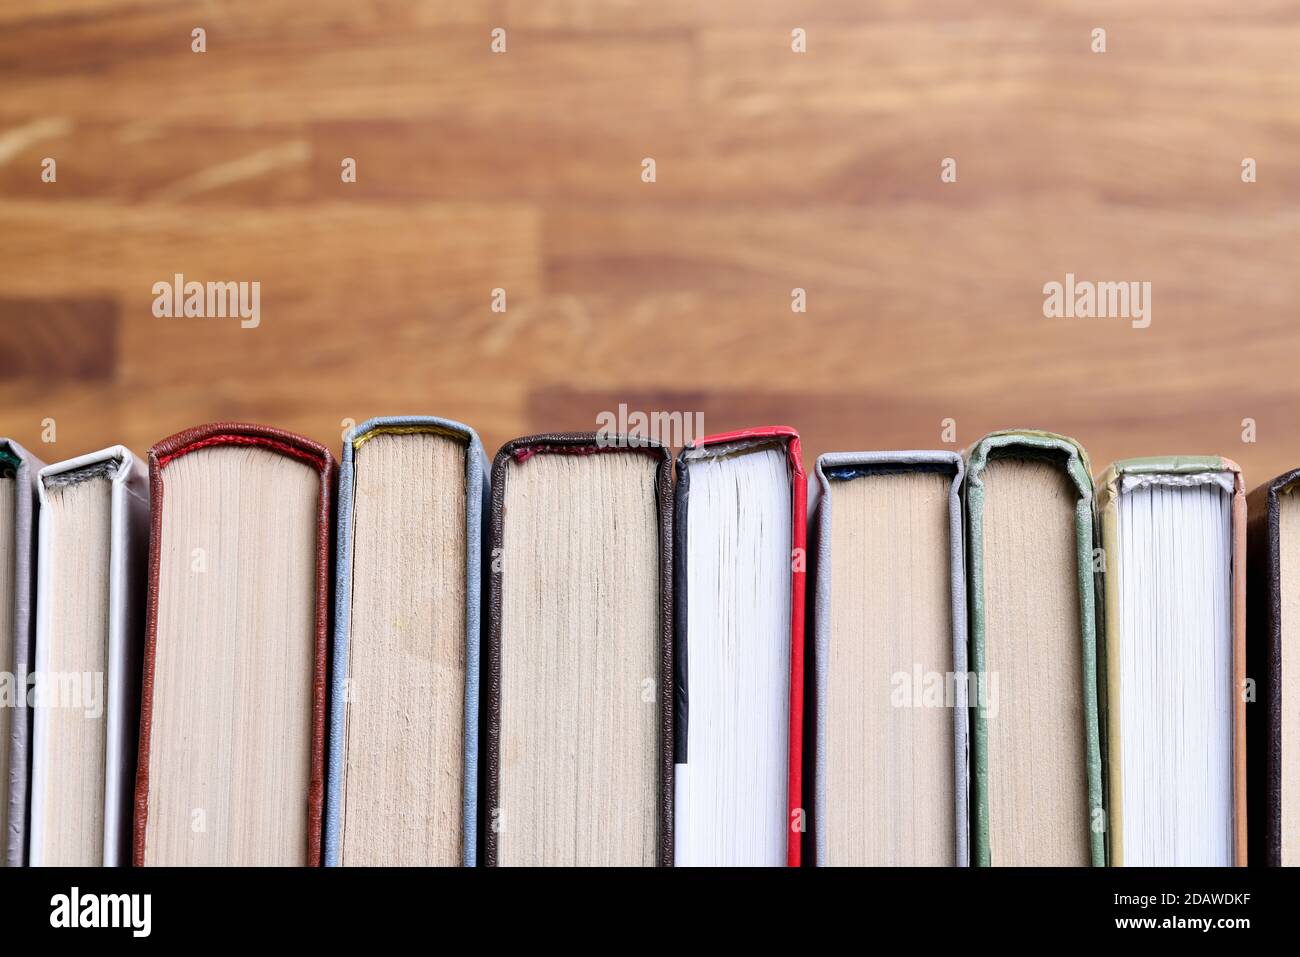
x=1069, y=457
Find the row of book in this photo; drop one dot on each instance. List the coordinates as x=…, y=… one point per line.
x=587, y=656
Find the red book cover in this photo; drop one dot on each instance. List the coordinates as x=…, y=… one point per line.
x=320, y=459
x=798, y=564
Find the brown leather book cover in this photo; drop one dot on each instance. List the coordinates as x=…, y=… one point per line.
x=1264, y=666
x=319, y=458
x=576, y=443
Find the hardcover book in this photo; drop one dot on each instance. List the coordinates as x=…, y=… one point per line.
x=18, y=511
x=1036, y=783
x=1272, y=635
x=232, y=712
x=577, y=753
x=89, y=621
x=741, y=564
x=889, y=700
x=404, y=687
x=1173, y=530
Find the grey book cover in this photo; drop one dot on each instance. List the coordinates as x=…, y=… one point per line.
x=476, y=506
x=836, y=468
x=25, y=467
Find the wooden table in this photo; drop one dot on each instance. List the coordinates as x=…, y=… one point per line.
x=522, y=171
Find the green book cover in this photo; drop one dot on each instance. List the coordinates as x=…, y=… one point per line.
x=1070, y=457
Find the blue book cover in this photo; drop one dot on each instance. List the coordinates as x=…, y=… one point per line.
x=476, y=499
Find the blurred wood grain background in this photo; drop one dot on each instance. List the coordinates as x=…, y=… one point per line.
x=775, y=170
